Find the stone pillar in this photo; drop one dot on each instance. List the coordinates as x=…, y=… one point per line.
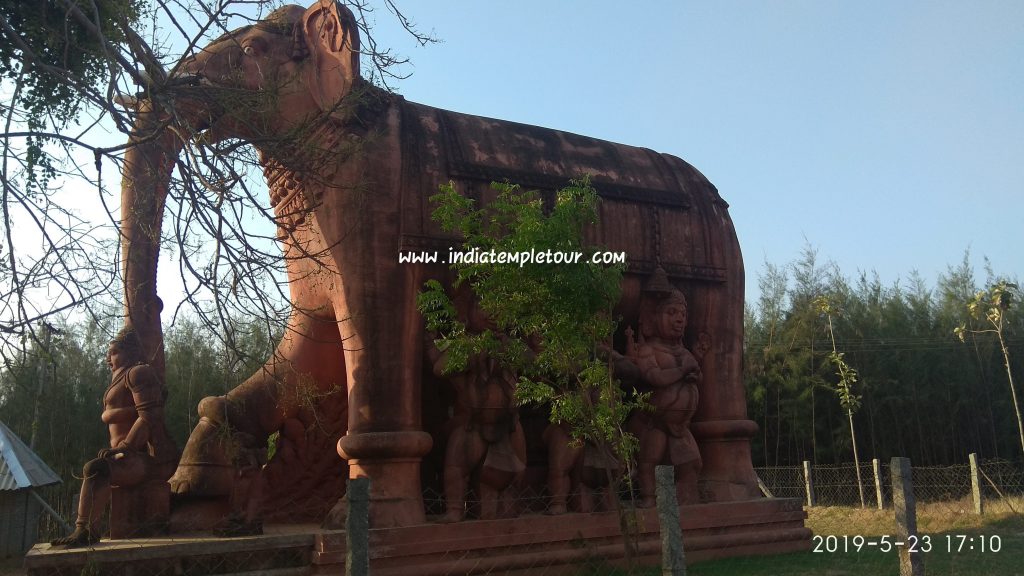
x=808, y=484
x=979, y=506
x=911, y=563
x=357, y=528
x=721, y=426
x=673, y=556
x=392, y=461
x=877, y=468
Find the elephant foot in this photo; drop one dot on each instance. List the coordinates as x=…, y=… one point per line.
x=82, y=536
x=556, y=510
x=234, y=526
x=205, y=470
x=451, y=517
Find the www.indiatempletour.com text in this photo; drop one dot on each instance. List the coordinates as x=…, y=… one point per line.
x=522, y=258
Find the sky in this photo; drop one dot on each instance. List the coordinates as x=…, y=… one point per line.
x=888, y=136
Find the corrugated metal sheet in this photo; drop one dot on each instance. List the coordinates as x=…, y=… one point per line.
x=19, y=523
x=20, y=467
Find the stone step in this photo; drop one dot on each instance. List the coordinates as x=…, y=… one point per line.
x=298, y=571
x=570, y=541
x=521, y=546
x=280, y=554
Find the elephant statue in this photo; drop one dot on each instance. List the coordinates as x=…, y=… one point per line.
x=350, y=168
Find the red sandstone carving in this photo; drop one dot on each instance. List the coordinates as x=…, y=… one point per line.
x=484, y=434
x=141, y=456
x=350, y=169
x=672, y=374
x=578, y=467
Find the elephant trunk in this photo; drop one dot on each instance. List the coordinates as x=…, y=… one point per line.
x=147, y=171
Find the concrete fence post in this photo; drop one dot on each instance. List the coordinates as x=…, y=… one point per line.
x=807, y=483
x=357, y=528
x=876, y=466
x=979, y=506
x=911, y=563
x=673, y=558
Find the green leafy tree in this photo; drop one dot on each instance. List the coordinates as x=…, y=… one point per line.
x=550, y=319
x=848, y=399
x=922, y=394
x=992, y=306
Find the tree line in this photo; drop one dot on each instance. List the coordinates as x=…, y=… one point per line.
x=918, y=390
x=51, y=390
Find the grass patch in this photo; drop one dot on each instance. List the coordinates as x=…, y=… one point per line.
x=936, y=520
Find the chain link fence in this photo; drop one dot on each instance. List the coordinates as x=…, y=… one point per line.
x=1000, y=483
x=969, y=516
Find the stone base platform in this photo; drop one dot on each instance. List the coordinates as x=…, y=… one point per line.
x=534, y=544
x=283, y=551
x=528, y=544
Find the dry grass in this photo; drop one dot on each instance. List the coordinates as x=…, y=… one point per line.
x=1002, y=518
x=932, y=517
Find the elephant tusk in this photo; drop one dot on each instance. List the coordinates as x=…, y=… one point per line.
x=126, y=101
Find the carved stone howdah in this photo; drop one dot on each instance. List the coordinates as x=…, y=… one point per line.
x=350, y=170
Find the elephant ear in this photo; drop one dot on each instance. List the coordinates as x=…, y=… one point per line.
x=332, y=39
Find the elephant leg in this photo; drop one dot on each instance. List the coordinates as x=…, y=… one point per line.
x=384, y=359
x=305, y=363
x=205, y=468
x=610, y=499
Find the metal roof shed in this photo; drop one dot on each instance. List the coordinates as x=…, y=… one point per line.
x=21, y=470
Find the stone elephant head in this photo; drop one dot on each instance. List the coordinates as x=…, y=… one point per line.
x=258, y=83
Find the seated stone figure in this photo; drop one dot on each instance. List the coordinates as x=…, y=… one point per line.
x=671, y=373
x=140, y=449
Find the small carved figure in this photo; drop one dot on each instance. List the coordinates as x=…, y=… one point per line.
x=485, y=435
x=140, y=450
x=585, y=467
x=672, y=373
x=577, y=466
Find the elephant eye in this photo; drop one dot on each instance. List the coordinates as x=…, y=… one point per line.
x=254, y=47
